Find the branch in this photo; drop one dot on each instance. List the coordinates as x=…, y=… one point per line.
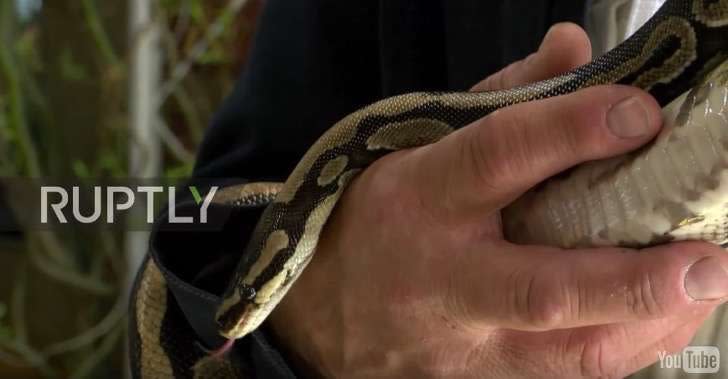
x=31, y=357
x=187, y=106
x=99, y=33
x=20, y=343
x=17, y=116
x=183, y=20
x=109, y=249
x=9, y=358
x=68, y=276
x=190, y=112
x=85, y=369
x=90, y=335
x=173, y=143
x=213, y=32
x=6, y=166
x=17, y=307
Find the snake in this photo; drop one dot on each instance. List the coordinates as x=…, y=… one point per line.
x=673, y=189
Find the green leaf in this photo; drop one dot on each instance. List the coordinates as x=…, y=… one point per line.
x=197, y=12
x=80, y=169
x=69, y=68
x=4, y=125
x=180, y=171
x=111, y=164
x=212, y=56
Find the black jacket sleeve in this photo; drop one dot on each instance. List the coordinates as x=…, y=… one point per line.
x=312, y=63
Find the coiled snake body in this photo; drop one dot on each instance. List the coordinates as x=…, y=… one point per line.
x=671, y=54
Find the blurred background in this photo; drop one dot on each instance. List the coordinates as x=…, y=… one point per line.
x=97, y=89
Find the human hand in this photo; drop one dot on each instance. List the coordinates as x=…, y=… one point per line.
x=413, y=278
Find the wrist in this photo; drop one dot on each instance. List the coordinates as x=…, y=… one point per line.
x=289, y=349
x=300, y=327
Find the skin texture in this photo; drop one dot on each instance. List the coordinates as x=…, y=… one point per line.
x=412, y=277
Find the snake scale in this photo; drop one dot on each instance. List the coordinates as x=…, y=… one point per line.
x=613, y=202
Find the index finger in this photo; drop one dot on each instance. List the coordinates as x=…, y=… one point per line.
x=538, y=288
x=565, y=47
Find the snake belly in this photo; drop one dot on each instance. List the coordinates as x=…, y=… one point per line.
x=671, y=54
x=672, y=190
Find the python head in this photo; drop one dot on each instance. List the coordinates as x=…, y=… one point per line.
x=245, y=309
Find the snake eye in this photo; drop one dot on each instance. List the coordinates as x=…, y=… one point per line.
x=247, y=292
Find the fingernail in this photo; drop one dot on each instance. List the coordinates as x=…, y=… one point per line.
x=629, y=118
x=707, y=279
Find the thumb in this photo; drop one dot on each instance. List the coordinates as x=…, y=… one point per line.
x=488, y=164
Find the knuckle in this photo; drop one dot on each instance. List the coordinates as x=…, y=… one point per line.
x=575, y=138
x=591, y=360
x=507, y=77
x=583, y=121
x=455, y=299
x=554, y=129
x=530, y=60
x=596, y=357
x=484, y=85
x=643, y=298
x=383, y=182
x=493, y=81
x=503, y=80
x=580, y=131
x=522, y=140
x=540, y=302
x=545, y=313
x=489, y=167
x=595, y=361
x=510, y=147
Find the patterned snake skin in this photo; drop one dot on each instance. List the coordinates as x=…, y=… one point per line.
x=675, y=189
x=670, y=55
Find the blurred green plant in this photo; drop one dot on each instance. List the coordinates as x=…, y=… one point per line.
x=64, y=113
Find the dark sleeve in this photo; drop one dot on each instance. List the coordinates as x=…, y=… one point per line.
x=312, y=63
x=315, y=61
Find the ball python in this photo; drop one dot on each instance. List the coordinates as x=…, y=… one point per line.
x=670, y=55
x=675, y=189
